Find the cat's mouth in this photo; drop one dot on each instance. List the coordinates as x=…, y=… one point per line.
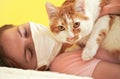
x=72, y=40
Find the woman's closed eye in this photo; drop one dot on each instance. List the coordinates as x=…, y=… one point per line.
x=28, y=54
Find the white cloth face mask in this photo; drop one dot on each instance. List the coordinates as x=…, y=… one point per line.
x=46, y=46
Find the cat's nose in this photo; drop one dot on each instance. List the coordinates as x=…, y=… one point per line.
x=70, y=38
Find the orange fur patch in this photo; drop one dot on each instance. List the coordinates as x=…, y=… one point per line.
x=102, y=35
x=112, y=17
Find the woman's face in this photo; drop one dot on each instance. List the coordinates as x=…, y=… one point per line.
x=19, y=47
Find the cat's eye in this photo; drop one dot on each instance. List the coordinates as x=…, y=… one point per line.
x=76, y=24
x=61, y=28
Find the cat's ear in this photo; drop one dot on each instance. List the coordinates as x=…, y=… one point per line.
x=79, y=6
x=51, y=10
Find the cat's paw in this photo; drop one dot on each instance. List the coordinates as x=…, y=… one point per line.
x=88, y=54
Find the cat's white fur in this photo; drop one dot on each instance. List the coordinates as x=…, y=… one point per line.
x=111, y=42
x=92, y=45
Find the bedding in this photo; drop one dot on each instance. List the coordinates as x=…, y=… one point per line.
x=14, y=73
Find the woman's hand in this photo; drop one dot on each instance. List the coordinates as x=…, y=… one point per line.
x=112, y=8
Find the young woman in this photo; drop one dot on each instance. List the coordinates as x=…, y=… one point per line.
x=18, y=49
x=27, y=46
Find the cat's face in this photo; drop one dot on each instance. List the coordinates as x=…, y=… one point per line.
x=67, y=28
x=67, y=24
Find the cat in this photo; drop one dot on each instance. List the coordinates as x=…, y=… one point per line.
x=76, y=21
x=65, y=21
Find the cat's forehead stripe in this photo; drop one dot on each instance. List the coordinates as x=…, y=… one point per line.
x=65, y=20
x=68, y=19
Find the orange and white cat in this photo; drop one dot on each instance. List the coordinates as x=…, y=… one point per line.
x=76, y=20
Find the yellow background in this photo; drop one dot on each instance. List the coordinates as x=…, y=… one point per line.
x=22, y=11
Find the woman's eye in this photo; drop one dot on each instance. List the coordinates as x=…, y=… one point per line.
x=76, y=25
x=61, y=28
x=28, y=54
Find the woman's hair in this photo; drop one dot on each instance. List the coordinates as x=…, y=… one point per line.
x=3, y=59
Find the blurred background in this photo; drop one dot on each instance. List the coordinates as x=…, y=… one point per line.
x=21, y=11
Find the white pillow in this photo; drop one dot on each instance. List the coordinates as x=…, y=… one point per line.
x=14, y=73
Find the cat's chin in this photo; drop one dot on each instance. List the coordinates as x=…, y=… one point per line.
x=64, y=41
x=71, y=42
x=68, y=42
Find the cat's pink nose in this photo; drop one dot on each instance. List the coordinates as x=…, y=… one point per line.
x=70, y=38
